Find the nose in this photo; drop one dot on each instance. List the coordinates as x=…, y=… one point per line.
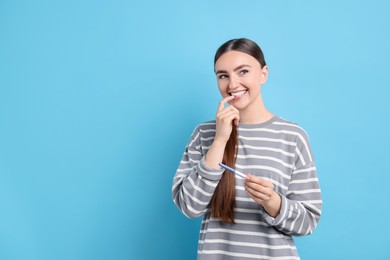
x=233, y=82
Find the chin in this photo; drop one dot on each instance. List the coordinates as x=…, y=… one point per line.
x=240, y=106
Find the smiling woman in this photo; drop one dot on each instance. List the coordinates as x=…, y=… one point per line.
x=280, y=197
x=242, y=76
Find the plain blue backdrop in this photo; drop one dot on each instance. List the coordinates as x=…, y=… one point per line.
x=98, y=100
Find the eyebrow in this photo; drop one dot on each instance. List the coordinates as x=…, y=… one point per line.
x=238, y=68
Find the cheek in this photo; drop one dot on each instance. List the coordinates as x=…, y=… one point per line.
x=222, y=88
x=255, y=83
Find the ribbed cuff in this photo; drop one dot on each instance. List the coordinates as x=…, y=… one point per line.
x=208, y=173
x=282, y=214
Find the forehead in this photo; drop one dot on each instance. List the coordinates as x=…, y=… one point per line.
x=232, y=59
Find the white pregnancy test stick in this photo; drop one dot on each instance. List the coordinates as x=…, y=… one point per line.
x=237, y=173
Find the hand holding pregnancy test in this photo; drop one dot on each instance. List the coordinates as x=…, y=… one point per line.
x=260, y=190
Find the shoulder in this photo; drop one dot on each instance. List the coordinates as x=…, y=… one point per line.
x=207, y=126
x=203, y=128
x=289, y=126
x=202, y=132
x=304, y=154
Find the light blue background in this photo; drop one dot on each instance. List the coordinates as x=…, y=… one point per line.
x=98, y=100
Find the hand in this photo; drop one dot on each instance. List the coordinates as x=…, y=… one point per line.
x=263, y=193
x=225, y=118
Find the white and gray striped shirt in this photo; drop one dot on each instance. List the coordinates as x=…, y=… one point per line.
x=276, y=150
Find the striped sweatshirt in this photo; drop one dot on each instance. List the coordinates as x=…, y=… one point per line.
x=276, y=150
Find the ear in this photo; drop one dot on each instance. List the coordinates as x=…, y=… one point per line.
x=264, y=74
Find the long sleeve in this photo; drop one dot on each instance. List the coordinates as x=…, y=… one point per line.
x=194, y=183
x=302, y=203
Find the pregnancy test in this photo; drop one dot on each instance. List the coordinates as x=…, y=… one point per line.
x=237, y=173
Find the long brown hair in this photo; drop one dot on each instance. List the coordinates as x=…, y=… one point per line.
x=223, y=201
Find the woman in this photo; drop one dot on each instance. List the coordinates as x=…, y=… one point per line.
x=280, y=197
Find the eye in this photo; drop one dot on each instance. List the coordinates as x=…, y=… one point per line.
x=243, y=72
x=222, y=76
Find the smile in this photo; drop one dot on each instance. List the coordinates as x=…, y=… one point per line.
x=239, y=93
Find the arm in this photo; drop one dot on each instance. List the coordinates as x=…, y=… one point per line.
x=198, y=175
x=298, y=211
x=194, y=182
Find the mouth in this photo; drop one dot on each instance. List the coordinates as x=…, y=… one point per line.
x=238, y=93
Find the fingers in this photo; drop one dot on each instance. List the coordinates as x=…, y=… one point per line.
x=224, y=119
x=229, y=113
x=259, y=196
x=259, y=189
x=258, y=181
x=222, y=103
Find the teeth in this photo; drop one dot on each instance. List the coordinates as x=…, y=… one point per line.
x=238, y=94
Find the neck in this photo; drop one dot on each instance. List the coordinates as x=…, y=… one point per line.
x=255, y=113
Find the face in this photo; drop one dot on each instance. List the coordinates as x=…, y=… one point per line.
x=240, y=75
